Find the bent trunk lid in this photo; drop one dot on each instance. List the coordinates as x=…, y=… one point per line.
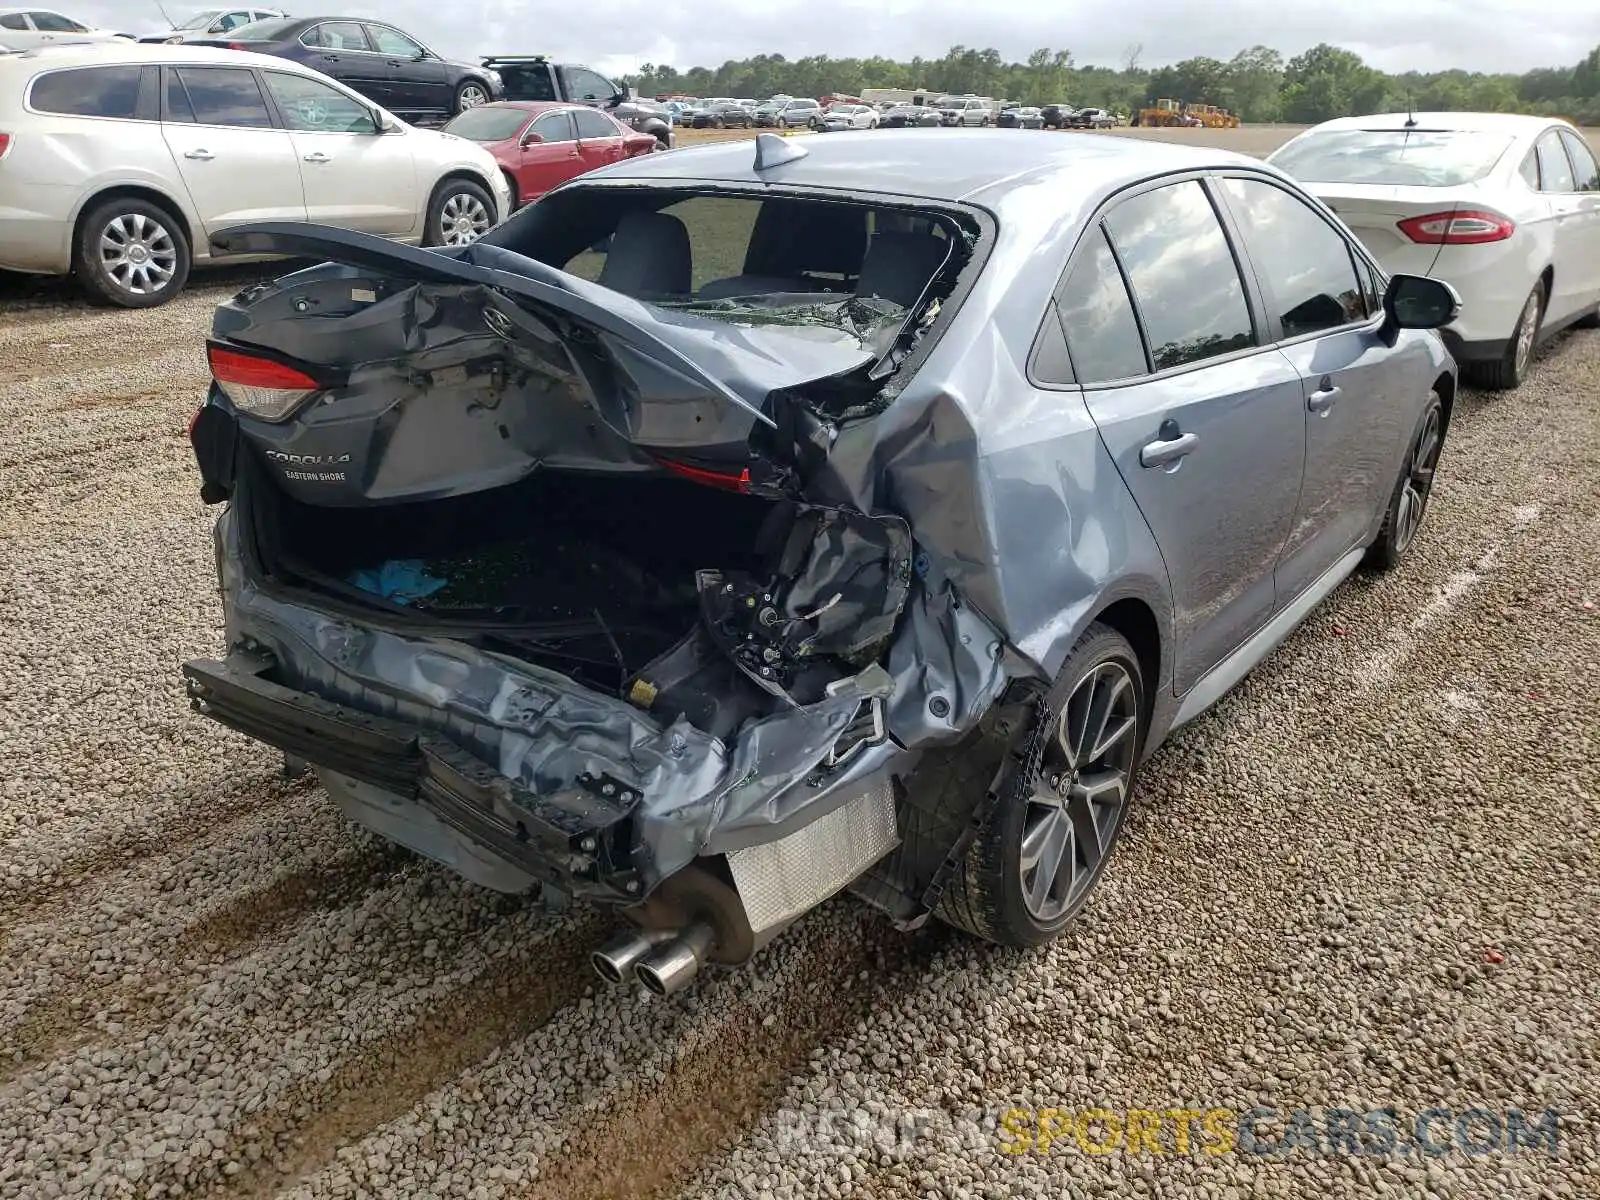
x=463, y=370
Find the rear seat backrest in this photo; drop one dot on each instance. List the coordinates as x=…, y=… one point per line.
x=649, y=257
x=900, y=265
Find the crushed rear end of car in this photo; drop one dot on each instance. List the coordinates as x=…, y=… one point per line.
x=562, y=587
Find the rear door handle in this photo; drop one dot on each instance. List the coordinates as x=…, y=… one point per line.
x=1321, y=400
x=316, y=156
x=202, y=155
x=1163, y=452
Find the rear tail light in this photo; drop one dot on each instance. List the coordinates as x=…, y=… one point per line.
x=260, y=387
x=5, y=144
x=730, y=481
x=237, y=46
x=1463, y=227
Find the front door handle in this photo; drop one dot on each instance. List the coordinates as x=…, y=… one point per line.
x=1169, y=449
x=1321, y=400
x=202, y=155
x=317, y=156
x=330, y=58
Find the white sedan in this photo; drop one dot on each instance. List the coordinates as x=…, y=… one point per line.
x=28, y=28
x=848, y=116
x=121, y=164
x=1506, y=208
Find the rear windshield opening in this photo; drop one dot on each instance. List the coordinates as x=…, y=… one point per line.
x=1394, y=157
x=759, y=259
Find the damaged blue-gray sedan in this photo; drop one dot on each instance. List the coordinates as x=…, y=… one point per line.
x=740, y=525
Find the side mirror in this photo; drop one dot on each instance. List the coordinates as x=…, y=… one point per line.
x=532, y=139
x=1416, y=302
x=419, y=56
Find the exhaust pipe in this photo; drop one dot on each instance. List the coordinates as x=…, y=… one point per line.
x=670, y=968
x=616, y=959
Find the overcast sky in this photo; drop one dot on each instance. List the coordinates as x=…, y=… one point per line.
x=615, y=36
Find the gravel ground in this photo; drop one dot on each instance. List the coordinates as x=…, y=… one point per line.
x=1368, y=879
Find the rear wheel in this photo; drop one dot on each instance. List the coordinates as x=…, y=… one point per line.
x=131, y=253
x=460, y=212
x=1409, y=503
x=1507, y=372
x=1062, y=802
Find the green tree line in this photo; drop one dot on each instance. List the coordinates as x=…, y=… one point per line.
x=1258, y=84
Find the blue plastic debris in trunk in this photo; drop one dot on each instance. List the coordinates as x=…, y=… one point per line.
x=403, y=580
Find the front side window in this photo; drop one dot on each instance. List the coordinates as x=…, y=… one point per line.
x=49, y=22
x=586, y=85
x=221, y=96
x=1183, y=275
x=89, y=92
x=1097, y=317
x=1583, y=163
x=1555, y=172
x=1303, y=260
x=554, y=127
x=592, y=124
x=310, y=106
x=392, y=41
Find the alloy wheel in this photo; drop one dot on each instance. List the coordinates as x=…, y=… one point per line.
x=1418, y=484
x=463, y=218
x=1080, y=792
x=138, y=254
x=1527, y=330
x=472, y=96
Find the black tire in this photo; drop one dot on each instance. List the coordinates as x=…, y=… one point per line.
x=516, y=198
x=986, y=896
x=451, y=197
x=659, y=146
x=1507, y=373
x=470, y=94
x=1408, y=503
x=154, y=258
x=1592, y=321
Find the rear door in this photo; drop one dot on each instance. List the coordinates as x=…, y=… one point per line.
x=1558, y=181
x=1204, y=425
x=552, y=160
x=1321, y=308
x=340, y=50
x=1584, y=260
x=599, y=138
x=235, y=162
x=353, y=176
x=417, y=81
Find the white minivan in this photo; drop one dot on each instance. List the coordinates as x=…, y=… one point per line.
x=119, y=162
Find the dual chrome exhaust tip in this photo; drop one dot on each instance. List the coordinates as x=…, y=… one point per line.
x=663, y=960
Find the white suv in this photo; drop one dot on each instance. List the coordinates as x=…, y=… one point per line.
x=119, y=162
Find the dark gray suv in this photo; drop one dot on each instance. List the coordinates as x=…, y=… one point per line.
x=728, y=529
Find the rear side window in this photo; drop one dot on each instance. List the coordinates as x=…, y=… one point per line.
x=220, y=96
x=1554, y=170
x=1583, y=163
x=336, y=35
x=51, y=22
x=595, y=125
x=89, y=92
x=1303, y=262
x=13, y=21
x=1097, y=317
x=1182, y=273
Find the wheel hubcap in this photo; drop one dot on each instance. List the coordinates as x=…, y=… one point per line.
x=463, y=219
x=1527, y=329
x=1080, y=793
x=471, y=97
x=1418, y=485
x=138, y=254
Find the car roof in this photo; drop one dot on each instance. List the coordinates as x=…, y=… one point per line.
x=960, y=165
x=537, y=107
x=1509, y=123
x=72, y=54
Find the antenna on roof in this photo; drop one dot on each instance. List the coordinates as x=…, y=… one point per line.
x=1411, y=111
x=774, y=151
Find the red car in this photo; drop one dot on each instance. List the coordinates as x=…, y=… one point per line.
x=541, y=144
